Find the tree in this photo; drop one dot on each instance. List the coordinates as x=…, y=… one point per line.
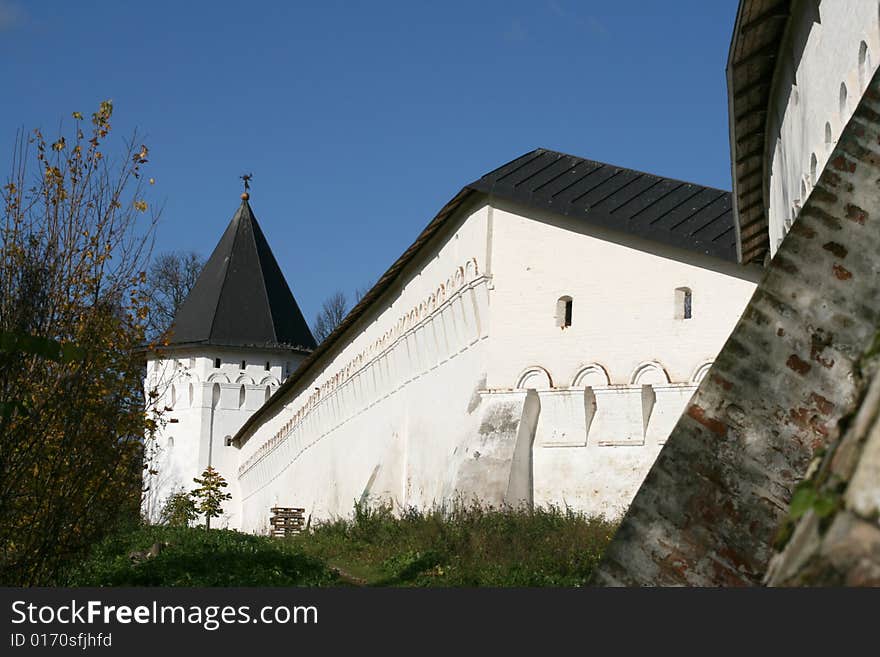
x=169, y=279
x=75, y=236
x=332, y=312
x=179, y=509
x=209, y=496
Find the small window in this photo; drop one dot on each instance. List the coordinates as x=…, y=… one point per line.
x=244, y=365
x=563, y=312
x=170, y=441
x=228, y=441
x=267, y=366
x=217, y=363
x=683, y=303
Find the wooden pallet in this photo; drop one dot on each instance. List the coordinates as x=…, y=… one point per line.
x=287, y=520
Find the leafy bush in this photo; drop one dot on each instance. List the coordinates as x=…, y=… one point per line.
x=179, y=509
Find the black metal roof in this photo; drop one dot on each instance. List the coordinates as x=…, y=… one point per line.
x=241, y=298
x=671, y=212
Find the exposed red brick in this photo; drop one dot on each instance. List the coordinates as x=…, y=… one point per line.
x=841, y=272
x=798, y=365
x=720, y=380
x=855, y=213
x=806, y=418
x=838, y=250
x=842, y=164
x=713, y=425
x=830, y=178
x=802, y=229
x=824, y=405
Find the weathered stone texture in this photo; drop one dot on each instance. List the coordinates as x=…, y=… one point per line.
x=708, y=511
x=843, y=544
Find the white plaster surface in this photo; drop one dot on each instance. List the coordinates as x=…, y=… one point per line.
x=829, y=44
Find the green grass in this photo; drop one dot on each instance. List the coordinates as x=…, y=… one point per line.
x=462, y=546
x=195, y=557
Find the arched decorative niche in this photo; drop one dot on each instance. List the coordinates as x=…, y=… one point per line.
x=650, y=373
x=593, y=375
x=242, y=395
x=701, y=371
x=267, y=394
x=534, y=377
x=269, y=381
x=218, y=378
x=864, y=65
x=245, y=379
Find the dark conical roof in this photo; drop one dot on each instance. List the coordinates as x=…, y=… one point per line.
x=241, y=298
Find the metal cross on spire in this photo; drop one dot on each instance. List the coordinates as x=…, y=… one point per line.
x=247, y=185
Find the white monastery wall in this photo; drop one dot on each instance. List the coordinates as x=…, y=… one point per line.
x=612, y=384
x=203, y=406
x=460, y=384
x=383, y=411
x=831, y=53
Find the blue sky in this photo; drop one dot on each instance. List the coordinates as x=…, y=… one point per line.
x=359, y=120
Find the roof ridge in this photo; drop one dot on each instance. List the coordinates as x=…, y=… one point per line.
x=254, y=227
x=236, y=218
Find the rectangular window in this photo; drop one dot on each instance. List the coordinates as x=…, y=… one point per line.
x=243, y=365
x=217, y=363
x=267, y=366
x=683, y=303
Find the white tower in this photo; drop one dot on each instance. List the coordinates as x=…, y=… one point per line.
x=236, y=337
